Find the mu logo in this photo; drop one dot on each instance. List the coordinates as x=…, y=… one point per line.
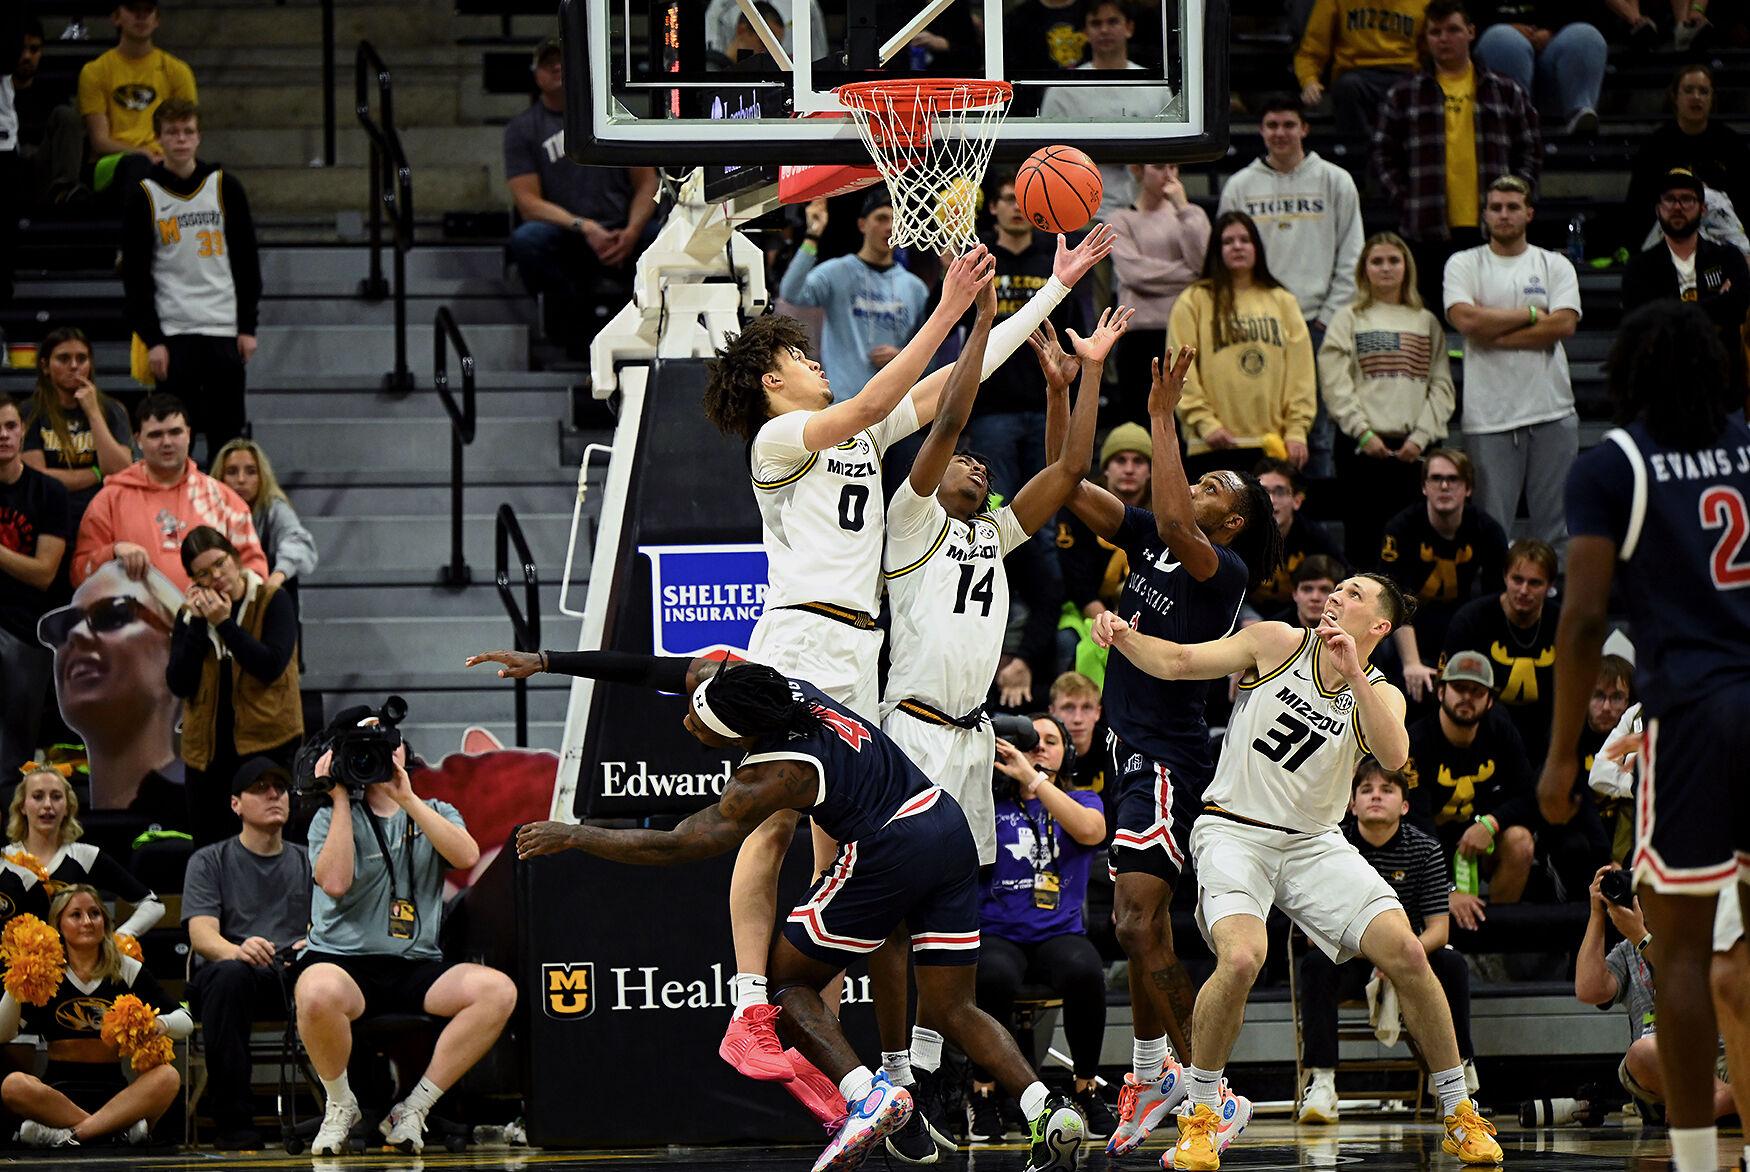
x=569, y=989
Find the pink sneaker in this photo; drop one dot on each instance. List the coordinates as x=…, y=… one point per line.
x=816, y=1092
x=751, y=1045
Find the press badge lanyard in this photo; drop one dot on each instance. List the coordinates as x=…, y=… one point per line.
x=1047, y=884
x=402, y=914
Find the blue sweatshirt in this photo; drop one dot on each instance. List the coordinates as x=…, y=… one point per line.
x=865, y=307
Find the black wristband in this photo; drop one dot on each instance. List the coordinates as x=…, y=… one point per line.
x=665, y=673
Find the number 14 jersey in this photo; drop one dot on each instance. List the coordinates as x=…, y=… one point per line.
x=1291, y=747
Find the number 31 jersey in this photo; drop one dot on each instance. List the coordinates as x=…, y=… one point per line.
x=1291, y=747
x=950, y=601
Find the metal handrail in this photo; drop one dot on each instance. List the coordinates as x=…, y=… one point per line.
x=328, y=117
x=525, y=621
x=391, y=187
x=444, y=334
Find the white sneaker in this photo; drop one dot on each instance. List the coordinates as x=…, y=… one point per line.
x=40, y=1135
x=1142, y=1106
x=1320, y=1102
x=338, y=1121
x=872, y=1118
x=404, y=1128
x=1236, y=1112
x=1470, y=1080
x=138, y=1132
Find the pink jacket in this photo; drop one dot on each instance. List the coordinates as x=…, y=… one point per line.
x=131, y=506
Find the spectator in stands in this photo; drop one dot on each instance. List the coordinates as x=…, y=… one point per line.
x=1040, y=37
x=1107, y=27
x=1444, y=551
x=1560, y=61
x=119, y=91
x=1517, y=632
x=1387, y=380
x=246, y=902
x=1075, y=704
x=74, y=432
x=1302, y=537
x=1158, y=247
x=1368, y=49
x=1250, y=393
x=1515, y=303
x=288, y=546
x=34, y=533
x=1048, y=835
x=375, y=950
x=1470, y=784
x=43, y=831
x=234, y=660
x=1693, y=141
x=1443, y=136
x=83, y=1094
x=1094, y=570
x=1613, y=697
x=723, y=20
x=50, y=137
x=141, y=516
x=872, y=304
x=580, y=224
x=1410, y=859
x=1313, y=580
x=192, y=276
x=1690, y=27
x=1310, y=212
x=746, y=43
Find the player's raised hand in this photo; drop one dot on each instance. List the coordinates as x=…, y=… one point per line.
x=1072, y=264
x=1342, y=650
x=1167, y=380
x=987, y=298
x=1109, y=630
x=1060, y=368
x=518, y=665
x=1111, y=327
x=964, y=278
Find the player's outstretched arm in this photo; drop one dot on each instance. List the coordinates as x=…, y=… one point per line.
x=665, y=673
x=754, y=794
x=938, y=448
x=1096, y=508
x=1261, y=647
x=1170, y=491
x=1579, y=645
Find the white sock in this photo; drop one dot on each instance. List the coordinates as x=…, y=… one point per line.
x=1319, y=1074
x=746, y=989
x=424, y=1096
x=338, y=1088
x=1033, y=1101
x=856, y=1085
x=1206, y=1086
x=1449, y=1085
x=926, y=1050
x=897, y=1066
x=1695, y=1149
x=1148, y=1057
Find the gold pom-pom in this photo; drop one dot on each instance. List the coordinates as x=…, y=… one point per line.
x=131, y=1027
x=29, y=862
x=35, y=962
x=128, y=946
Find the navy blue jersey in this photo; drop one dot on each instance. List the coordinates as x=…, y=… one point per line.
x=1164, y=718
x=1680, y=524
x=864, y=777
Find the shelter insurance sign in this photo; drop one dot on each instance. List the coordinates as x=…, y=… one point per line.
x=704, y=597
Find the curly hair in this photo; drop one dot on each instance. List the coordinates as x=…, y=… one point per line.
x=735, y=398
x=757, y=701
x=1666, y=344
x=1259, y=544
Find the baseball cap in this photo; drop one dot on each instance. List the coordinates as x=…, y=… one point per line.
x=1127, y=437
x=256, y=768
x=876, y=200
x=547, y=45
x=1468, y=667
x=1684, y=178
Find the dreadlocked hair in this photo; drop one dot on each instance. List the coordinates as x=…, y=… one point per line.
x=735, y=398
x=1665, y=347
x=756, y=702
x=1395, y=606
x=1259, y=544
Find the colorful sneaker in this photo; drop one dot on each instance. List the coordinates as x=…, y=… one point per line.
x=1101, y=1122
x=751, y=1045
x=987, y=1118
x=815, y=1091
x=338, y=1120
x=40, y=1135
x=1056, y=1135
x=930, y=1101
x=1470, y=1137
x=873, y=1117
x=404, y=1129
x=912, y=1143
x=1196, y=1148
x=1142, y=1106
x=1235, y=1113
x=1319, y=1104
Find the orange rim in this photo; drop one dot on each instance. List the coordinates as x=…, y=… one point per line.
x=934, y=93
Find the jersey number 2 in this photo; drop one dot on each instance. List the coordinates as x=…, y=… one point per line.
x=1285, y=735
x=1723, y=508
x=852, y=501
x=981, y=593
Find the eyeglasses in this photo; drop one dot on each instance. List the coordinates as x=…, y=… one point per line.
x=103, y=616
x=211, y=572
x=1442, y=479
x=1280, y=491
x=1679, y=201
x=268, y=785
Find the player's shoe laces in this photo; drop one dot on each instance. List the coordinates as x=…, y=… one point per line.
x=1142, y=1106
x=1470, y=1137
x=1320, y=1103
x=1101, y=1122
x=1197, y=1139
x=404, y=1129
x=338, y=1120
x=815, y=1091
x=751, y=1045
x=1235, y=1113
x=931, y=1104
x=1056, y=1135
x=41, y=1135
x=873, y=1117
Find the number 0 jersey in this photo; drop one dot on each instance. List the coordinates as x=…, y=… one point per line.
x=1291, y=747
x=191, y=271
x=821, y=513
x=950, y=600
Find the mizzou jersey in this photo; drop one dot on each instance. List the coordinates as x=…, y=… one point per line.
x=822, y=518
x=950, y=600
x=1291, y=747
x=191, y=267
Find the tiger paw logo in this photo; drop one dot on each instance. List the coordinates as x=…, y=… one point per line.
x=139, y=98
x=1388, y=550
x=568, y=989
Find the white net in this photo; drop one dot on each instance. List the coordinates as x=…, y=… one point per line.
x=931, y=139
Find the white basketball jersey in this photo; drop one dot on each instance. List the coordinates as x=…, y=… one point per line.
x=821, y=513
x=950, y=601
x=191, y=269
x=1291, y=747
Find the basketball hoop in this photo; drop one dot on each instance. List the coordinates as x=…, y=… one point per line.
x=931, y=139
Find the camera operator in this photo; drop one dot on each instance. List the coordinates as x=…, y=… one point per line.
x=245, y=901
x=1624, y=976
x=380, y=853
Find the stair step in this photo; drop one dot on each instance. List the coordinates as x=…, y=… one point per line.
x=338, y=271
x=432, y=500
x=313, y=351
x=414, y=643
x=445, y=123
x=479, y=308
x=485, y=478
x=388, y=26
x=406, y=443
x=337, y=386
x=415, y=543
x=461, y=186
x=490, y=403
x=479, y=603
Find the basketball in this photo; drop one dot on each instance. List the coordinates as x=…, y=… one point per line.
x=1058, y=188
x=957, y=206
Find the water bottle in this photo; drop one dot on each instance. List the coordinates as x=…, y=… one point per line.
x=1576, y=249
x=1464, y=874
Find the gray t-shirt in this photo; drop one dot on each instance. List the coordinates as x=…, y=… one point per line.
x=1634, y=987
x=534, y=144
x=249, y=894
x=357, y=924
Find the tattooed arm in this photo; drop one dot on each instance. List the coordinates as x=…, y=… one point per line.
x=753, y=795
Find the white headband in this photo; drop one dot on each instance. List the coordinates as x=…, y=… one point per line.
x=707, y=717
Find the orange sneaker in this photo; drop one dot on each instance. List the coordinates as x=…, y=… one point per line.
x=1196, y=1147
x=815, y=1091
x=1470, y=1137
x=751, y=1045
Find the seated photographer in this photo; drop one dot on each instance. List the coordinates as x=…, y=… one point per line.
x=246, y=902
x=84, y=1094
x=43, y=833
x=380, y=852
x=1030, y=921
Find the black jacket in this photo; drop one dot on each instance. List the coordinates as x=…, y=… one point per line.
x=1722, y=282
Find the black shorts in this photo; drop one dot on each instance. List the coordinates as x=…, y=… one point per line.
x=390, y=984
x=1692, y=814
x=1157, y=803
x=88, y=1084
